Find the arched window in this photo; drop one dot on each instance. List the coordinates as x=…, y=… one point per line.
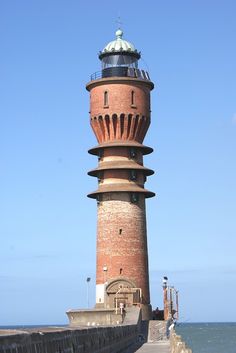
x=105, y=99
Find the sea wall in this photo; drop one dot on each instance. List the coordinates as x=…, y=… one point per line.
x=119, y=339
x=177, y=344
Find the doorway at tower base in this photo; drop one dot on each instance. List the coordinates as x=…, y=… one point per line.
x=121, y=294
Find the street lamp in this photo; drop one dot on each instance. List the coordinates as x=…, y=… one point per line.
x=165, y=297
x=88, y=280
x=164, y=281
x=105, y=283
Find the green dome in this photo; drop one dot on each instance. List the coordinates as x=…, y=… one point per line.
x=119, y=44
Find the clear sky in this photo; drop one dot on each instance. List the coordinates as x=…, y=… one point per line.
x=47, y=224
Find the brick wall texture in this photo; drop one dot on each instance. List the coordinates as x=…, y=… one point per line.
x=125, y=112
x=120, y=111
x=122, y=241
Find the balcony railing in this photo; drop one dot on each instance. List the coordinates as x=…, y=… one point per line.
x=120, y=71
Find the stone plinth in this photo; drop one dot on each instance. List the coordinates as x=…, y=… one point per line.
x=94, y=317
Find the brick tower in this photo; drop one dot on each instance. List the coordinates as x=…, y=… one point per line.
x=120, y=117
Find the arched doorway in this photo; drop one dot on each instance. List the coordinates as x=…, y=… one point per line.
x=122, y=291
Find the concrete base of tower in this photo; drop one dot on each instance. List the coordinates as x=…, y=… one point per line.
x=146, y=312
x=104, y=316
x=94, y=317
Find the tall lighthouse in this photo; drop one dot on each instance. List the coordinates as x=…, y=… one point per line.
x=120, y=117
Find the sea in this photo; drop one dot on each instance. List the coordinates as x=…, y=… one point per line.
x=209, y=337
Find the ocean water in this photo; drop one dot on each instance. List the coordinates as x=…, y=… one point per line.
x=209, y=337
x=25, y=327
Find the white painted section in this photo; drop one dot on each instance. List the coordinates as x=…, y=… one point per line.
x=114, y=181
x=114, y=159
x=100, y=288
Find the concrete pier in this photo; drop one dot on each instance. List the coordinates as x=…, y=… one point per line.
x=155, y=347
x=129, y=337
x=116, y=339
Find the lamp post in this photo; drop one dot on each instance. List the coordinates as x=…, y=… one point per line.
x=165, y=297
x=105, y=284
x=177, y=304
x=88, y=280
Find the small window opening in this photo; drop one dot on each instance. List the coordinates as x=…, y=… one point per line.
x=134, y=197
x=100, y=177
x=99, y=198
x=120, y=231
x=133, y=175
x=133, y=153
x=121, y=270
x=105, y=98
x=100, y=154
x=132, y=98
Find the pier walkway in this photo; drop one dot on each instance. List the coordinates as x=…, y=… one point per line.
x=157, y=341
x=155, y=347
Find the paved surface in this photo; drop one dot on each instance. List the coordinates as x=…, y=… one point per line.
x=157, y=347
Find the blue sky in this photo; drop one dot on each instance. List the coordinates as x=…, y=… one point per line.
x=48, y=225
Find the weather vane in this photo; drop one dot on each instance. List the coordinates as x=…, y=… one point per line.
x=119, y=21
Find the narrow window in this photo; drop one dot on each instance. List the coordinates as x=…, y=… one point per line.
x=134, y=197
x=121, y=270
x=100, y=177
x=99, y=199
x=133, y=175
x=105, y=98
x=133, y=153
x=100, y=154
x=120, y=231
x=132, y=98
